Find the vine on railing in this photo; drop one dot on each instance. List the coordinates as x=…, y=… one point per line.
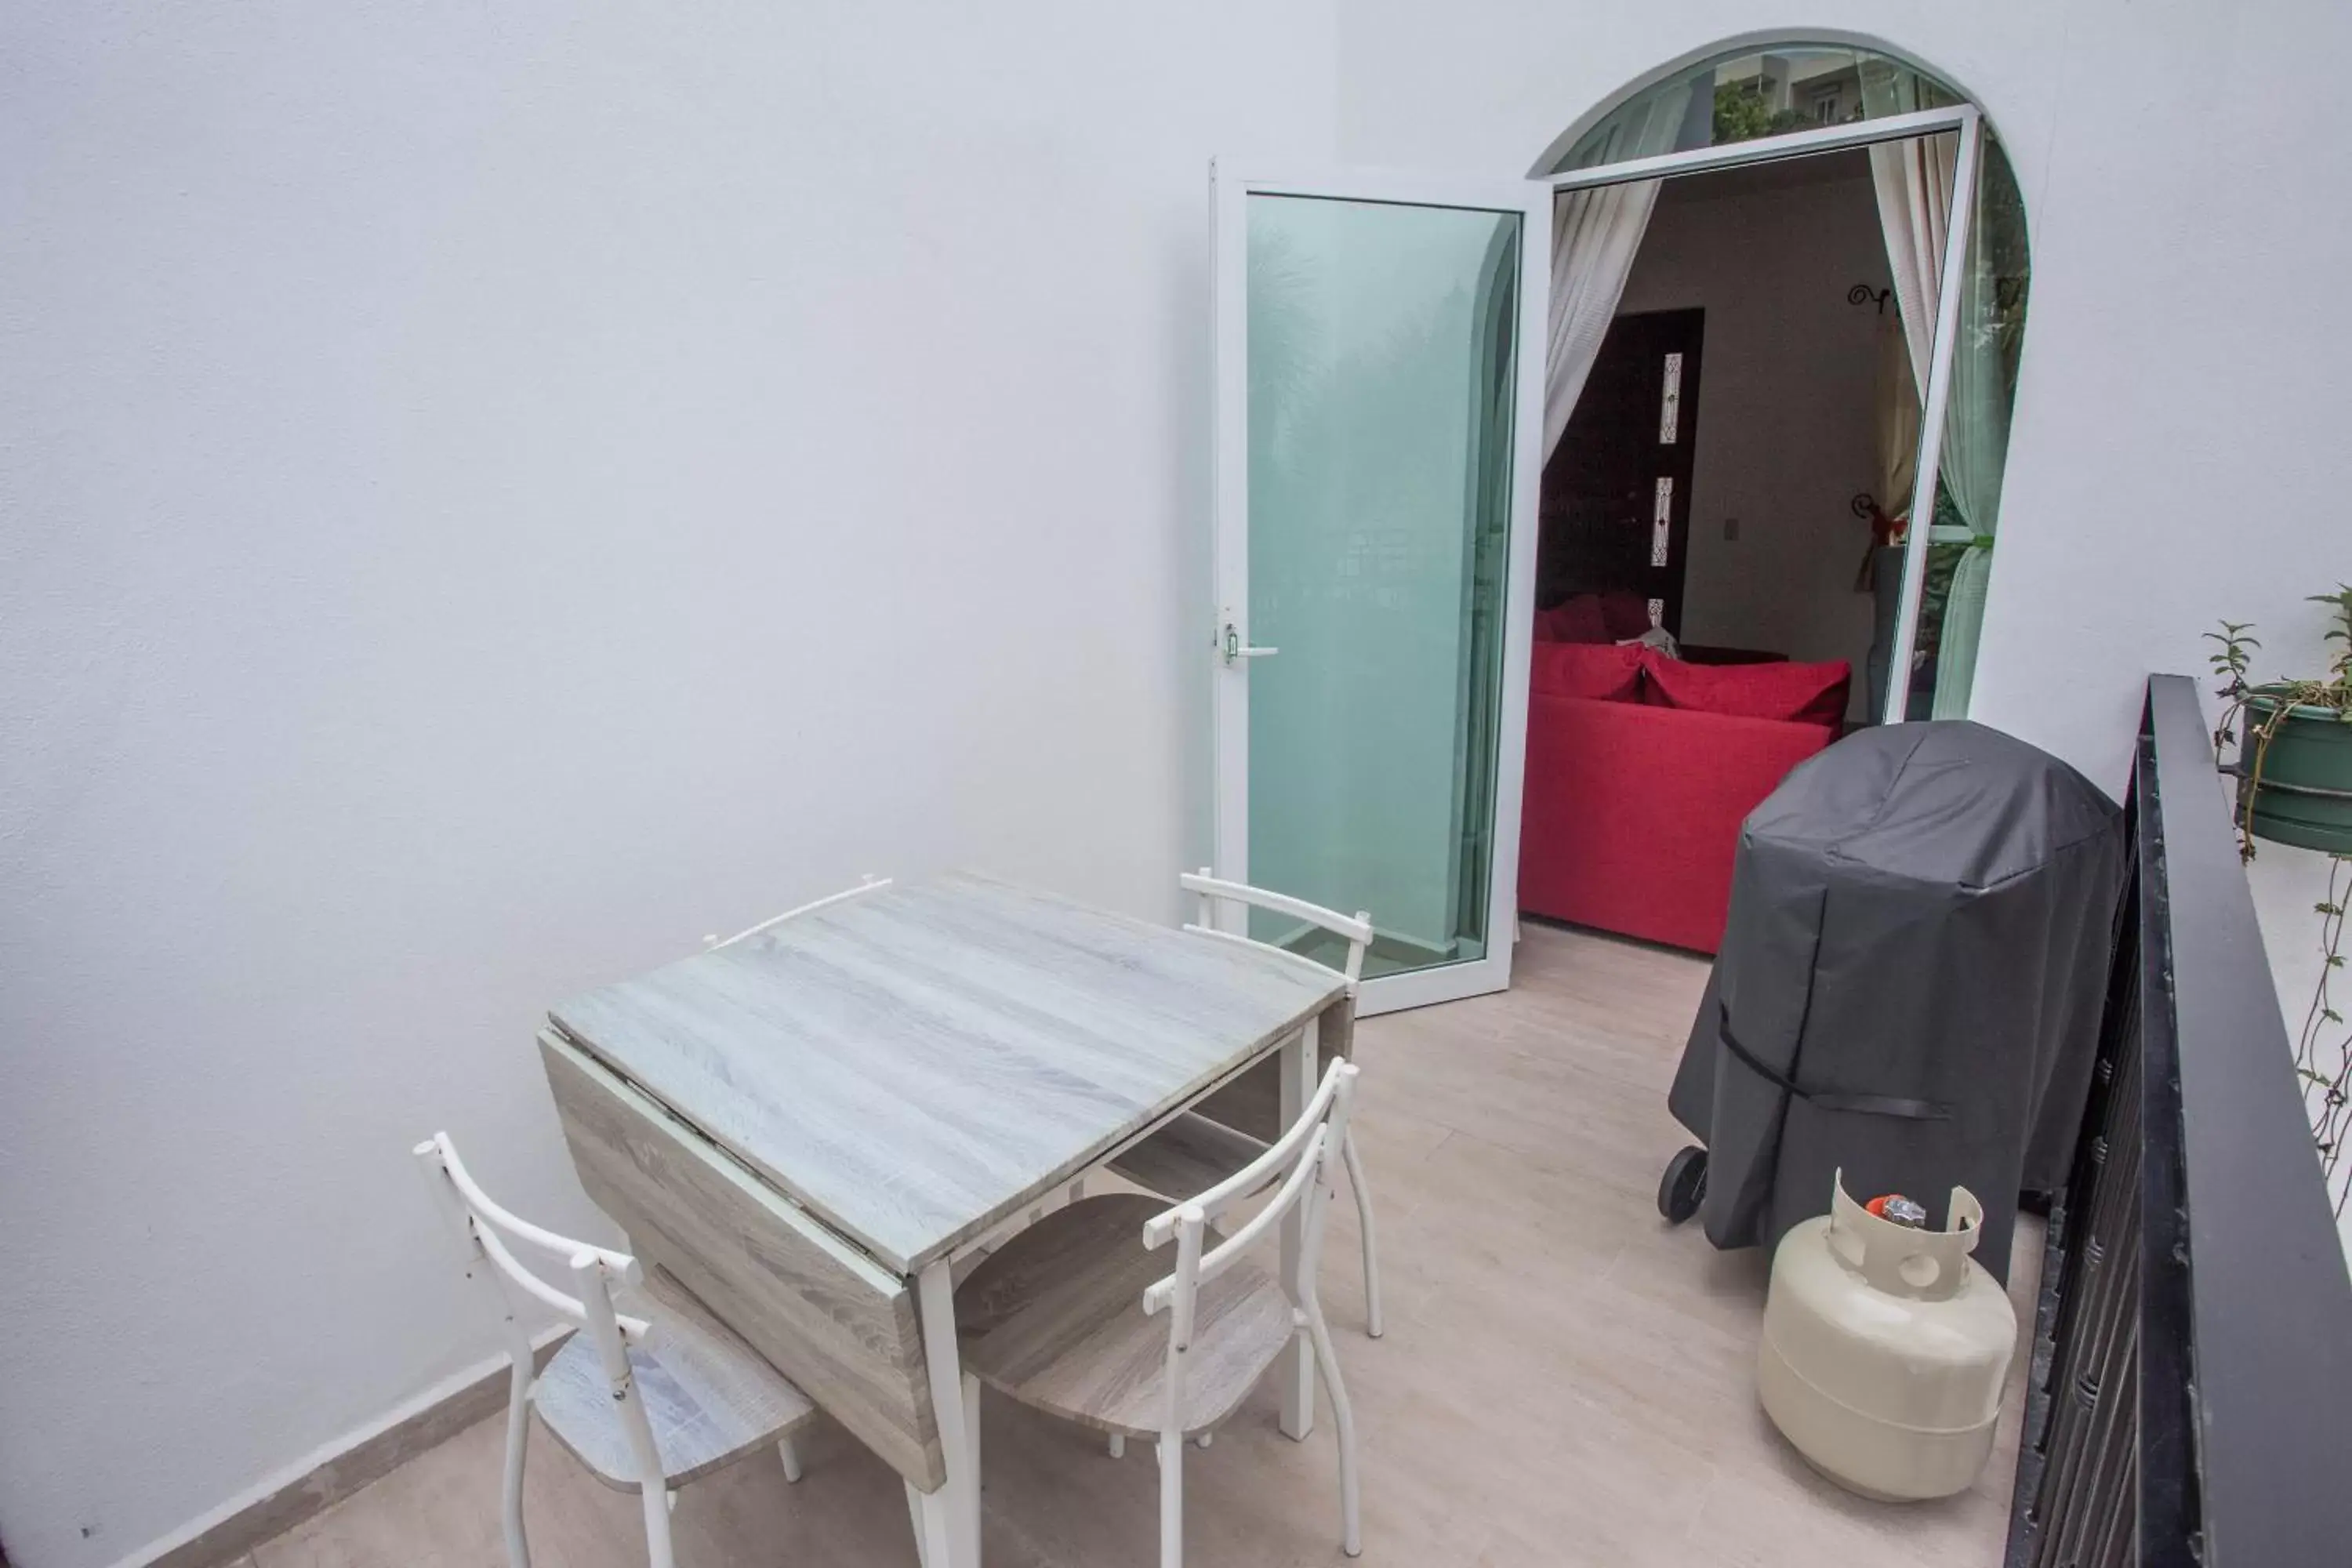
x=2331, y=1114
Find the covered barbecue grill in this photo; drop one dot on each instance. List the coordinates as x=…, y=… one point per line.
x=1910, y=986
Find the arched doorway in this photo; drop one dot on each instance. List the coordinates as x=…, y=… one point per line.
x=1754, y=99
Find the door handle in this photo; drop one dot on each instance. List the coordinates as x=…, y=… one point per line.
x=1235, y=649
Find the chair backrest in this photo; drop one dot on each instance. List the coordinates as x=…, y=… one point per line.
x=484, y=1230
x=867, y=884
x=1214, y=890
x=1306, y=1159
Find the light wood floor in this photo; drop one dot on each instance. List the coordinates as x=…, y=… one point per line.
x=1566, y=1383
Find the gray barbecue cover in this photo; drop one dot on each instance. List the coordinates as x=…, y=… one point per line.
x=1910, y=983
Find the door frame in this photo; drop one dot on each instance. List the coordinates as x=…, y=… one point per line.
x=1531, y=199
x=1968, y=121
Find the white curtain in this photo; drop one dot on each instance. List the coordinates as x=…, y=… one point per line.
x=1913, y=181
x=1595, y=235
x=1897, y=392
x=1976, y=450
x=1897, y=397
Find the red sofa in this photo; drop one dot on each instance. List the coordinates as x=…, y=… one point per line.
x=1640, y=770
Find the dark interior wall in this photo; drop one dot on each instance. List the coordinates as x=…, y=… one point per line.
x=1787, y=427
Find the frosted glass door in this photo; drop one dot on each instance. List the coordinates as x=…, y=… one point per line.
x=1378, y=427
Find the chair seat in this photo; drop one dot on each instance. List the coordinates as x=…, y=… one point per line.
x=1055, y=1320
x=1191, y=1154
x=710, y=1397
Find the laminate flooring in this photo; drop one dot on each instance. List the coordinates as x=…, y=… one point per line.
x=1565, y=1381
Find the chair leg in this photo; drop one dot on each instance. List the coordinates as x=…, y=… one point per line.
x=1343, y=1418
x=1364, y=1223
x=517, y=1440
x=1118, y=1444
x=790, y=1456
x=1171, y=1500
x=659, y=1502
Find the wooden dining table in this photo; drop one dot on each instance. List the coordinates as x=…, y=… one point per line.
x=810, y=1126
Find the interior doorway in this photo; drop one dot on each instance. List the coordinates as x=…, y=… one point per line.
x=1835, y=231
x=1616, y=504
x=1952, y=228
x=1744, y=505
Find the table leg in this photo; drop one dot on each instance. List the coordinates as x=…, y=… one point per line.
x=929, y=1526
x=972, y=1444
x=951, y=1516
x=1296, y=1368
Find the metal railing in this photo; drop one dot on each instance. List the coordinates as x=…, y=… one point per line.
x=2190, y=1397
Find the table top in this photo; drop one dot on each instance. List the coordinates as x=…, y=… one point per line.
x=913, y=1064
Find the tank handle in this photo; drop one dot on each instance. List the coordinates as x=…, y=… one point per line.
x=1923, y=1265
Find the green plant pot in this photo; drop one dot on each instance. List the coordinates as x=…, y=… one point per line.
x=2305, y=795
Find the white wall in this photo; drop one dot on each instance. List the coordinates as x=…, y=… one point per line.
x=1787, y=423
x=492, y=493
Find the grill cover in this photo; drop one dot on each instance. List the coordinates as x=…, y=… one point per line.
x=1910, y=983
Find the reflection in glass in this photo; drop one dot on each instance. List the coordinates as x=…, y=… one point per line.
x=1741, y=96
x=1381, y=339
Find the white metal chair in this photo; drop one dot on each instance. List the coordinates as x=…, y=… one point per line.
x=1195, y=1151
x=647, y=1404
x=1060, y=1318
x=868, y=883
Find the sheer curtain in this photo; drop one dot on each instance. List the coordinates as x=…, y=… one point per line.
x=1896, y=391
x=1975, y=449
x=1913, y=183
x=1595, y=236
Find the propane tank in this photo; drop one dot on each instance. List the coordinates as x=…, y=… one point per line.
x=1886, y=1347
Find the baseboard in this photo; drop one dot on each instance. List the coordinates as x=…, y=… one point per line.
x=316, y=1483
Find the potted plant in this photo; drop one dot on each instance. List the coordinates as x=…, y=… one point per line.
x=2294, y=767
x=2293, y=738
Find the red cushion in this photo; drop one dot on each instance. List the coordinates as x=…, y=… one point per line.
x=1631, y=814
x=1577, y=620
x=1582, y=620
x=1625, y=613
x=1601, y=670
x=1808, y=693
